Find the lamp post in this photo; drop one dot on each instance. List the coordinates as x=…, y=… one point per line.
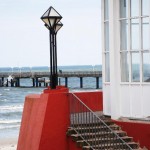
x=52, y=18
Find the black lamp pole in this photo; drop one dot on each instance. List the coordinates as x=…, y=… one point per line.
x=52, y=18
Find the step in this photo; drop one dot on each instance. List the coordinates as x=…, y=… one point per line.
x=97, y=128
x=89, y=135
x=70, y=131
x=102, y=141
x=76, y=137
x=86, y=136
x=133, y=145
x=92, y=124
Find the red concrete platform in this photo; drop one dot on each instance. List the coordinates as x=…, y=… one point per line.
x=46, y=118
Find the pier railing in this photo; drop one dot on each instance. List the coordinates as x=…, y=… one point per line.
x=46, y=74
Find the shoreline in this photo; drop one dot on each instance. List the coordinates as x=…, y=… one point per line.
x=8, y=143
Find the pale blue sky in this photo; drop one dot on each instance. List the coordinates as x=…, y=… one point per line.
x=24, y=41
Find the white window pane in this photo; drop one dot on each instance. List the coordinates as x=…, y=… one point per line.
x=146, y=66
x=135, y=34
x=124, y=67
x=106, y=11
x=106, y=36
x=135, y=66
x=107, y=68
x=145, y=33
x=124, y=34
x=123, y=8
x=134, y=8
x=145, y=7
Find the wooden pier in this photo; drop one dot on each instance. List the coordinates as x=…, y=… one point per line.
x=40, y=77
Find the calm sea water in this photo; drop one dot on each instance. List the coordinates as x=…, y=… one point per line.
x=12, y=99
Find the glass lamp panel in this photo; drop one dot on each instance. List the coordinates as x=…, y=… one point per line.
x=52, y=21
x=58, y=26
x=107, y=68
x=124, y=34
x=135, y=8
x=123, y=8
x=57, y=20
x=145, y=33
x=46, y=13
x=53, y=13
x=145, y=7
x=46, y=21
x=106, y=9
x=135, y=64
x=106, y=36
x=124, y=67
x=135, y=34
x=146, y=66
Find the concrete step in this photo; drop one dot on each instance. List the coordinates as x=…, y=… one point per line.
x=103, y=134
x=102, y=141
x=93, y=124
x=90, y=148
x=77, y=137
x=112, y=146
x=118, y=145
x=97, y=128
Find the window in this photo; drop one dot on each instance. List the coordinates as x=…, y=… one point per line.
x=134, y=8
x=124, y=34
x=146, y=66
x=106, y=11
x=135, y=35
x=106, y=34
x=145, y=33
x=135, y=40
x=123, y=8
x=124, y=67
x=145, y=7
x=135, y=62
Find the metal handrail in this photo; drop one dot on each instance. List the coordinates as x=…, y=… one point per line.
x=82, y=117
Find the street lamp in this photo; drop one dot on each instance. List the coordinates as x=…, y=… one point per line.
x=52, y=18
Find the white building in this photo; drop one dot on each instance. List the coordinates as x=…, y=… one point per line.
x=126, y=58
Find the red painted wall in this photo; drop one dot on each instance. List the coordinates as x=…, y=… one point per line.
x=138, y=130
x=32, y=122
x=94, y=100
x=55, y=123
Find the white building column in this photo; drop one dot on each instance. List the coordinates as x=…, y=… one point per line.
x=114, y=38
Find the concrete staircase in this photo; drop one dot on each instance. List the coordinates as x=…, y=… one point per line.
x=95, y=136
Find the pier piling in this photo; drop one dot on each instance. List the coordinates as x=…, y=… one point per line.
x=59, y=81
x=97, y=82
x=66, y=81
x=7, y=83
x=44, y=82
x=36, y=82
x=2, y=81
x=81, y=82
x=33, y=82
x=12, y=83
x=17, y=82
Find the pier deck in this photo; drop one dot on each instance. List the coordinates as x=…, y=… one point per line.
x=39, y=77
x=47, y=74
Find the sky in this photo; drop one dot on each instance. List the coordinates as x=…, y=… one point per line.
x=24, y=41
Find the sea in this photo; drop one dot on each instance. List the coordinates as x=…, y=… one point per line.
x=12, y=98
